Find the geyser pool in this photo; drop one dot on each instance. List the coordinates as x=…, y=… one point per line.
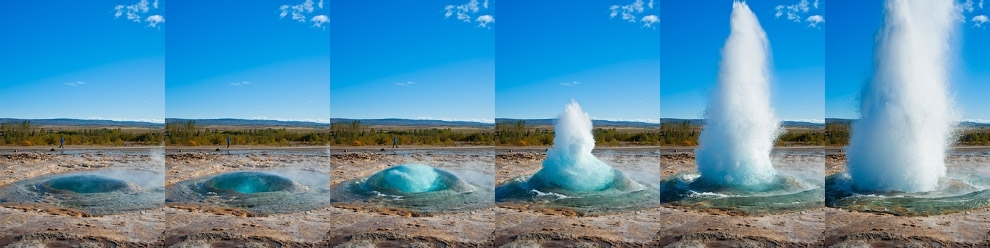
x=98, y=192
x=248, y=182
x=735, y=168
x=906, y=117
x=572, y=177
x=85, y=184
x=417, y=187
x=259, y=192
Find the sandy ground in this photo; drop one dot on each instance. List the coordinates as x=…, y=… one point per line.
x=32, y=225
x=855, y=229
x=359, y=225
x=658, y=226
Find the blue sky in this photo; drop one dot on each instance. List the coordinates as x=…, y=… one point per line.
x=409, y=59
x=77, y=59
x=694, y=32
x=550, y=52
x=248, y=59
x=853, y=29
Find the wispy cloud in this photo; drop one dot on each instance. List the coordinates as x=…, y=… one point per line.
x=484, y=20
x=463, y=13
x=628, y=12
x=814, y=20
x=794, y=12
x=979, y=20
x=76, y=83
x=407, y=83
x=298, y=12
x=319, y=20
x=133, y=12
x=573, y=83
x=241, y=83
x=649, y=20
x=154, y=20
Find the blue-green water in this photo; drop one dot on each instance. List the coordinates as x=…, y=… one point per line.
x=420, y=188
x=259, y=192
x=784, y=193
x=957, y=192
x=99, y=192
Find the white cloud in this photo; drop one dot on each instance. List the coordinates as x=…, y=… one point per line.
x=486, y=3
x=298, y=11
x=319, y=20
x=979, y=20
x=484, y=20
x=649, y=20
x=76, y=83
x=968, y=6
x=463, y=12
x=795, y=11
x=154, y=20
x=573, y=83
x=981, y=4
x=242, y=83
x=133, y=12
x=407, y=83
x=814, y=20
x=628, y=13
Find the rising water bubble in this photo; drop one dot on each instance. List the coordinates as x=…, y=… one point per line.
x=417, y=187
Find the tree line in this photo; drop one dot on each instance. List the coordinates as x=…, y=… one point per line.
x=839, y=132
x=188, y=133
x=353, y=133
x=682, y=133
x=23, y=133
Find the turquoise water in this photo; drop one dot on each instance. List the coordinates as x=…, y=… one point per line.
x=418, y=187
x=786, y=192
x=248, y=182
x=99, y=192
x=259, y=192
x=958, y=191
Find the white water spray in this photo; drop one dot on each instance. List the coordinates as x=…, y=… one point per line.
x=741, y=128
x=906, y=118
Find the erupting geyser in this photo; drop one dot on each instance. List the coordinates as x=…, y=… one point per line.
x=897, y=152
x=734, y=162
x=417, y=187
x=573, y=177
x=569, y=165
x=740, y=125
x=906, y=120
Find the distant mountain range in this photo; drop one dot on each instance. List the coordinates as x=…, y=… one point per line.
x=596, y=123
x=414, y=123
x=792, y=124
x=85, y=123
x=231, y=122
